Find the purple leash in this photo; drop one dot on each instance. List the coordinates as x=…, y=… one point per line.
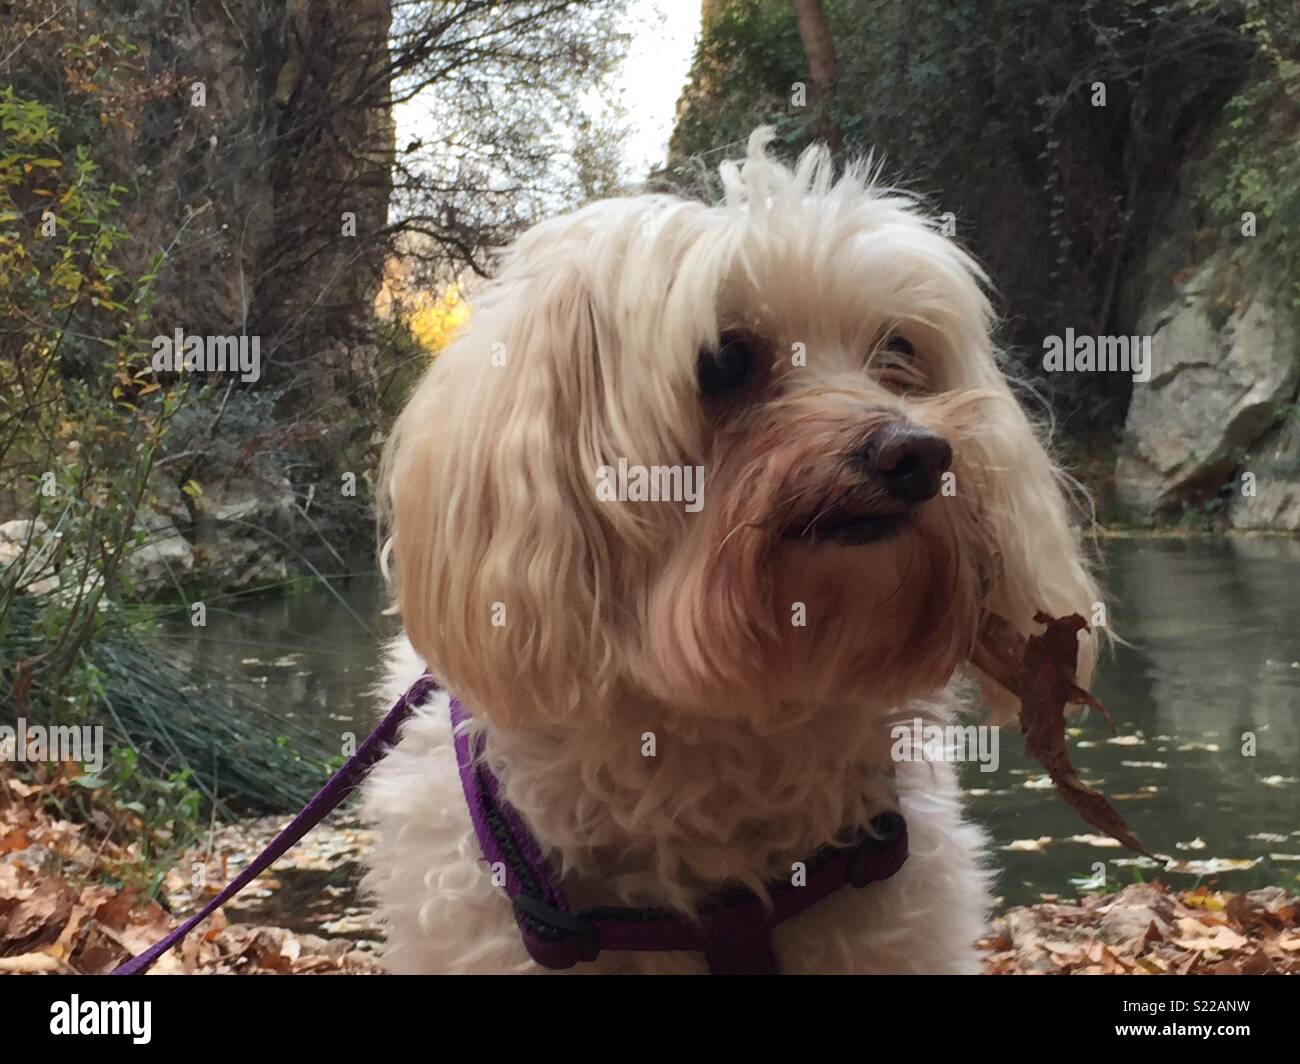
x=336, y=788
x=732, y=931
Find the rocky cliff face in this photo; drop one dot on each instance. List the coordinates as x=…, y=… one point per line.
x=1215, y=433
x=1225, y=368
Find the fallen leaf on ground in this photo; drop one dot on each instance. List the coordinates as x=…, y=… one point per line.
x=72, y=921
x=1147, y=929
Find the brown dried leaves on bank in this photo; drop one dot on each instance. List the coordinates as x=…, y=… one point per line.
x=1147, y=929
x=57, y=917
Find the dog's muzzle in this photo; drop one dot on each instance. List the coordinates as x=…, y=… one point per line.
x=907, y=460
x=902, y=466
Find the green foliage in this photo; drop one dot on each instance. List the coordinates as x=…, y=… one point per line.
x=747, y=59
x=82, y=423
x=81, y=419
x=162, y=814
x=1257, y=148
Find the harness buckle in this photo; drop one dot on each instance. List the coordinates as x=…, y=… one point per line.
x=565, y=938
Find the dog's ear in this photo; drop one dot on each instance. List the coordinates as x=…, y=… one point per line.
x=499, y=558
x=1041, y=566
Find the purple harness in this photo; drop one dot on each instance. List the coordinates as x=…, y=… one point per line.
x=732, y=931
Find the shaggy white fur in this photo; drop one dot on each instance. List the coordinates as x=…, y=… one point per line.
x=785, y=340
x=443, y=915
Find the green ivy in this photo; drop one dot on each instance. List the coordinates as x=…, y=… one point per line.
x=1257, y=148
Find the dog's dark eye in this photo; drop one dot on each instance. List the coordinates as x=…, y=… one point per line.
x=894, y=363
x=727, y=368
x=901, y=345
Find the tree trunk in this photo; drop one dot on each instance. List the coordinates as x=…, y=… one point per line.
x=819, y=49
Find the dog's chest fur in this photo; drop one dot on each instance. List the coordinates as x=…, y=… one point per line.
x=441, y=912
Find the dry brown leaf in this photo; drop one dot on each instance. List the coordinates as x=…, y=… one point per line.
x=23, y=790
x=1197, y=935
x=115, y=912
x=38, y=918
x=67, y=939
x=1248, y=914
x=98, y=952
x=31, y=964
x=1040, y=671
x=1258, y=964
x=14, y=840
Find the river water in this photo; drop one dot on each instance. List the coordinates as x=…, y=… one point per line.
x=1205, y=693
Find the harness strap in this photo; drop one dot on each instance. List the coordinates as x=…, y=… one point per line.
x=732, y=931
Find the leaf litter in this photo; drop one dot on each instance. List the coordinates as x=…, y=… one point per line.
x=1147, y=929
x=65, y=910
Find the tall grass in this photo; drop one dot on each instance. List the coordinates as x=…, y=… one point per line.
x=243, y=756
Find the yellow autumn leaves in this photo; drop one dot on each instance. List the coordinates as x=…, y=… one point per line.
x=436, y=320
x=433, y=319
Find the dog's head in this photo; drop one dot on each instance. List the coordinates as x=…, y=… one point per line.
x=742, y=459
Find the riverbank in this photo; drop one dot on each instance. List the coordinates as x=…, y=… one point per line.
x=65, y=909
x=72, y=900
x=1117, y=531
x=1148, y=929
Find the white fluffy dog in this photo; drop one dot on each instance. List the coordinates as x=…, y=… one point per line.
x=677, y=700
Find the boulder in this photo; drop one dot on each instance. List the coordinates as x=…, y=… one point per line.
x=240, y=531
x=1224, y=366
x=161, y=556
x=1275, y=502
x=26, y=542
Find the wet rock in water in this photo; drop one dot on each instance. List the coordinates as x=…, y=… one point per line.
x=1275, y=503
x=238, y=524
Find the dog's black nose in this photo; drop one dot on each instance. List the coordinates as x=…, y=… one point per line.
x=909, y=460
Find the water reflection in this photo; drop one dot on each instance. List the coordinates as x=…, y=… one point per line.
x=1213, y=657
x=1213, y=627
